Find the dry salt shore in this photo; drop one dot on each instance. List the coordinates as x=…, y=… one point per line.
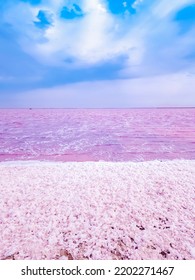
x=97, y=210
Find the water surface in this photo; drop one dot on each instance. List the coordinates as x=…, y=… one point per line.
x=97, y=134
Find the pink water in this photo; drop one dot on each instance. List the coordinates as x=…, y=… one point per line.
x=97, y=134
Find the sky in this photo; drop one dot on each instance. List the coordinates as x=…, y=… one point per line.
x=97, y=53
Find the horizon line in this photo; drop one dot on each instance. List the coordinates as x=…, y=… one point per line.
x=98, y=108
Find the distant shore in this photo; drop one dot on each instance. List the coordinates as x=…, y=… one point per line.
x=97, y=210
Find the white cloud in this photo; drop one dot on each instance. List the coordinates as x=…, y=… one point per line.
x=161, y=48
x=124, y=4
x=97, y=37
x=100, y=36
x=89, y=40
x=136, y=3
x=165, y=8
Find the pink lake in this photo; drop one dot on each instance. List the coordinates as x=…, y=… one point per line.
x=97, y=134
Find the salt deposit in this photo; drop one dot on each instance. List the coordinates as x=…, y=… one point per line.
x=97, y=210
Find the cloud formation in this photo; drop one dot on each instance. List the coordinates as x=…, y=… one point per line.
x=56, y=42
x=90, y=32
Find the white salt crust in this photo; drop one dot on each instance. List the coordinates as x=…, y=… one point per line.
x=97, y=210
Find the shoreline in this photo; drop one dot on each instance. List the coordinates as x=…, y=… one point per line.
x=97, y=210
x=53, y=162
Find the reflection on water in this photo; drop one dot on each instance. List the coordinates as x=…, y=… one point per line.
x=97, y=134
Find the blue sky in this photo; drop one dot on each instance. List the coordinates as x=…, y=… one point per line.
x=97, y=53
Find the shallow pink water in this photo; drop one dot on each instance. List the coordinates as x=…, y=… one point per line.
x=97, y=134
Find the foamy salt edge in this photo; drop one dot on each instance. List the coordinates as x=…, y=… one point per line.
x=97, y=210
